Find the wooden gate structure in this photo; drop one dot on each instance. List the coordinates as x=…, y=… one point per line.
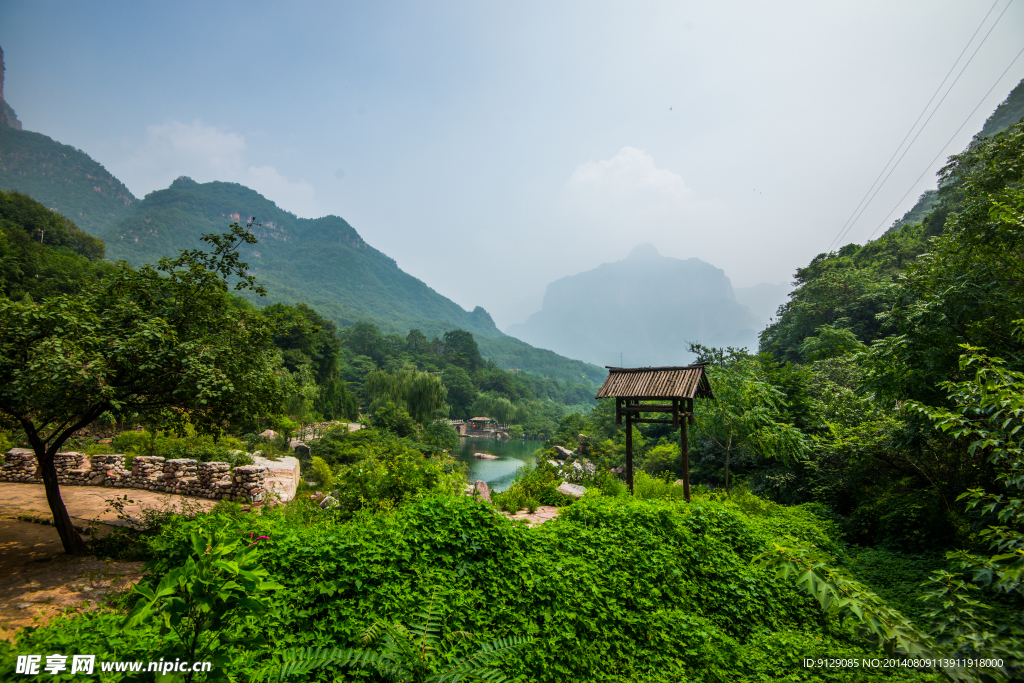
x=678, y=384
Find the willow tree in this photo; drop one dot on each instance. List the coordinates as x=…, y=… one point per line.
x=160, y=341
x=422, y=394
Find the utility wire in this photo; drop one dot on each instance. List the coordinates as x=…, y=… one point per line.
x=859, y=211
x=839, y=236
x=947, y=144
x=921, y=129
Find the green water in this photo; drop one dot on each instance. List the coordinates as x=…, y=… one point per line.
x=512, y=454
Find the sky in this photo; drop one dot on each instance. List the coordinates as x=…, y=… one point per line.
x=491, y=148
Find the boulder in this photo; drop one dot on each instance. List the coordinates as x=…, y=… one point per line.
x=485, y=456
x=571, y=490
x=563, y=452
x=282, y=475
x=482, y=490
x=329, y=502
x=269, y=434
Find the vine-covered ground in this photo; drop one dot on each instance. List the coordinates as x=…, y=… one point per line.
x=614, y=589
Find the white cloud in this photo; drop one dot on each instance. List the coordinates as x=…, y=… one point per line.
x=628, y=173
x=613, y=204
x=205, y=153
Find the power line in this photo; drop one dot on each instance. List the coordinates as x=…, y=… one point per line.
x=847, y=225
x=921, y=129
x=948, y=143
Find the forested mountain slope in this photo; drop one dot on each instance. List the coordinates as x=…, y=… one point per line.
x=850, y=289
x=63, y=178
x=1009, y=112
x=322, y=262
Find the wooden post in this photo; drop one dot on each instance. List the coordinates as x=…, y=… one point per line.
x=684, y=449
x=629, y=451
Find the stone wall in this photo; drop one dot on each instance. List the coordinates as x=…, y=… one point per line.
x=216, y=480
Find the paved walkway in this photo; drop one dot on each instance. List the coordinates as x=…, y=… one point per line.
x=88, y=503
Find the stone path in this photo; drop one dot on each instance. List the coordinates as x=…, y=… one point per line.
x=88, y=503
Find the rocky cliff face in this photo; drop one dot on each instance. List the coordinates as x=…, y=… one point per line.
x=7, y=115
x=647, y=307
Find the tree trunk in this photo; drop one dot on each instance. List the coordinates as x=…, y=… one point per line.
x=73, y=543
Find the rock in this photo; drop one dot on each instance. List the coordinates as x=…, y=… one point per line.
x=571, y=490
x=485, y=456
x=554, y=463
x=563, y=452
x=618, y=471
x=482, y=490
x=268, y=434
x=584, y=466
x=329, y=502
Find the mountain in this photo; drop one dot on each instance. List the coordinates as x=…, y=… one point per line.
x=763, y=300
x=322, y=262
x=647, y=307
x=63, y=178
x=7, y=116
x=1009, y=112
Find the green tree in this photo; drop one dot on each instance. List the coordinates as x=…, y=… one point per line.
x=420, y=393
x=440, y=434
x=159, y=341
x=462, y=350
x=461, y=392
x=747, y=414
x=394, y=419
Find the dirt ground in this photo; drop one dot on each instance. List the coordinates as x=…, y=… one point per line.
x=37, y=580
x=543, y=514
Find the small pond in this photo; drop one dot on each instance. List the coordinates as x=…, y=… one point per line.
x=512, y=454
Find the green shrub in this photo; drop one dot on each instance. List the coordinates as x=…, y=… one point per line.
x=390, y=472
x=646, y=487
x=134, y=443
x=394, y=419
x=661, y=459
x=614, y=590
x=441, y=436
x=339, y=446
x=322, y=473
x=612, y=485
x=512, y=499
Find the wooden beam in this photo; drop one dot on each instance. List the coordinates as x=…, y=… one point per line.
x=651, y=408
x=618, y=411
x=654, y=421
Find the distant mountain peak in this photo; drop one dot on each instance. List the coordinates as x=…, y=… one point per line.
x=645, y=250
x=644, y=309
x=7, y=115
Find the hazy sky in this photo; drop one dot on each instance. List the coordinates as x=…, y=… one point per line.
x=491, y=148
